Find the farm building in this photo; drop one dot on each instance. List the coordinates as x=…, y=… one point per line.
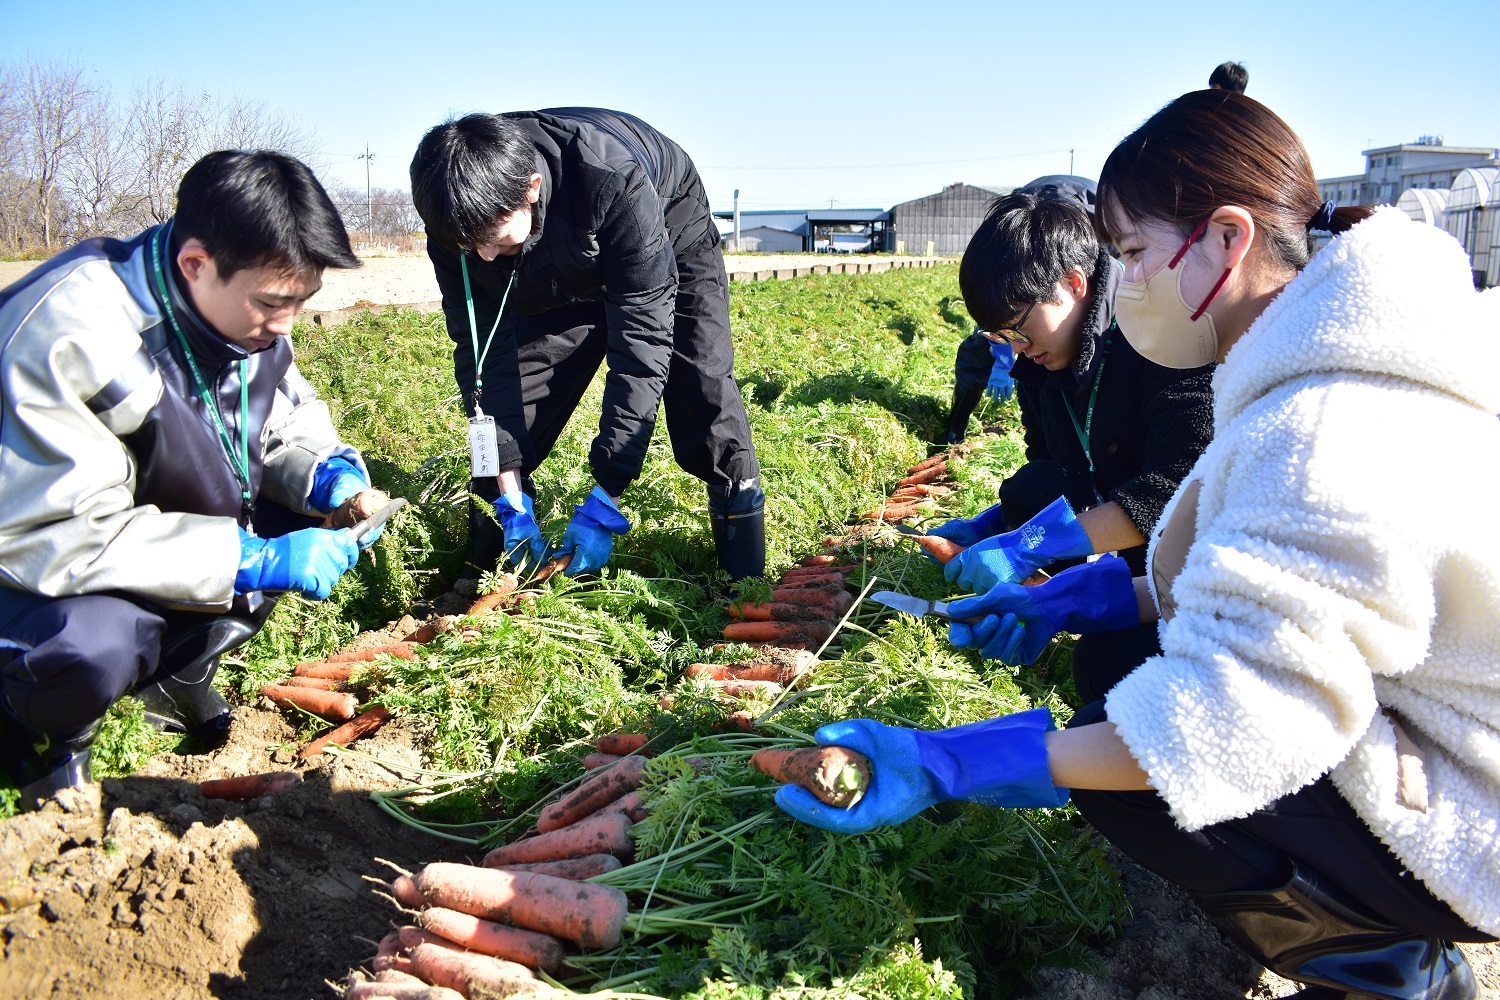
x=947, y=219
x=765, y=239
x=813, y=229
x=1470, y=218
x=1424, y=204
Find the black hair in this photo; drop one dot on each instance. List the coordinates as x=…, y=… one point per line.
x=1021, y=251
x=254, y=208
x=468, y=174
x=1230, y=76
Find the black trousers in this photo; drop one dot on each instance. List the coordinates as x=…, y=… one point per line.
x=1313, y=828
x=560, y=351
x=973, y=363
x=65, y=660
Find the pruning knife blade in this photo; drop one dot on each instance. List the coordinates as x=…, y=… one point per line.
x=377, y=519
x=907, y=604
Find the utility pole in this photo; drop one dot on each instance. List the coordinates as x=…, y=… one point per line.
x=736, y=220
x=369, y=207
x=1070, y=162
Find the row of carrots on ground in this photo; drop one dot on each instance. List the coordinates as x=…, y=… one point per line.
x=806, y=604
x=491, y=930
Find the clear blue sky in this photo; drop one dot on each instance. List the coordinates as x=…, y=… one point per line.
x=795, y=104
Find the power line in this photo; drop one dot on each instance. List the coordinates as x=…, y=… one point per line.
x=887, y=166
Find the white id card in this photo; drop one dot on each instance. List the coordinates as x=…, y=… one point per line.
x=484, y=452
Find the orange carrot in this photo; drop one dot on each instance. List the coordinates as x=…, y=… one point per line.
x=405, y=891
x=590, y=915
x=746, y=672
x=595, y=792
x=422, y=634
x=749, y=689
x=928, y=463
x=474, y=975
x=926, y=490
x=891, y=512
x=390, y=955
x=811, y=580
x=361, y=726
x=835, y=599
x=321, y=683
x=592, y=835
x=927, y=475
x=831, y=569
x=594, y=761
x=326, y=670
x=329, y=704
x=940, y=549
x=837, y=776
x=250, y=786
x=555, y=566
x=355, y=509
x=414, y=989
x=490, y=601
x=822, y=560
x=577, y=869
x=539, y=951
x=630, y=805
x=402, y=650
x=393, y=976
x=740, y=720
x=766, y=631
x=621, y=743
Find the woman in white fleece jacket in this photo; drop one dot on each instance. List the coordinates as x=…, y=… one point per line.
x=1315, y=753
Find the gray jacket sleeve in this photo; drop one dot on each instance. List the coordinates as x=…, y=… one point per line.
x=68, y=521
x=298, y=438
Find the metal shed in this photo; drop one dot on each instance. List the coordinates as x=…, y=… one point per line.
x=768, y=239
x=1424, y=204
x=1470, y=206
x=948, y=219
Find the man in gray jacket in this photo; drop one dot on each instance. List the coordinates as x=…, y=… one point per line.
x=163, y=466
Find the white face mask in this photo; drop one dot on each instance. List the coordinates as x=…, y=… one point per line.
x=1159, y=323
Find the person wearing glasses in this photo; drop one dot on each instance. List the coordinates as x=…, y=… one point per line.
x=1108, y=433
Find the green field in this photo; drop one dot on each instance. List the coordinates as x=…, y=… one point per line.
x=845, y=378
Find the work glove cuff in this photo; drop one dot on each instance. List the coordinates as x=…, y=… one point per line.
x=999, y=762
x=247, y=577
x=1095, y=597
x=601, y=510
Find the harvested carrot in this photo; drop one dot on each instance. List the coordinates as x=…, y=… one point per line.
x=780, y=612
x=539, y=951
x=590, y=915
x=746, y=672
x=831, y=569
x=830, y=597
x=405, y=891
x=629, y=805
x=740, y=720
x=327, y=671
x=811, y=580
x=393, y=976
x=321, y=683
x=250, y=786
x=358, y=728
x=401, y=650
x=390, y=955
x=593, y=761
x=891, y=512
x=578, y=869
x=329, y=704
x=355, y=509
x=940, y=549
x=749, y=689
x=837, y=776
x=591, y=835
x=821, y=560
x=927, y=490
x=927, y=475
x=474, y=975
x=414, y=989
x=764, y=631
x=621, y=743
x=422, y=633
x=553, y=567
x=595, y=792
x=927, y=463
x=780, y=645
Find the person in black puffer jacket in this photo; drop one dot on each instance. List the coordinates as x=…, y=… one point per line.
x=562, y=239
x=1109, y=435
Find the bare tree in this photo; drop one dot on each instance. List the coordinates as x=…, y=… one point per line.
x=100, y=180
x=55, y=99
x=165, y=134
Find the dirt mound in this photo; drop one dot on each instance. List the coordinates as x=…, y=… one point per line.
x=142, y=888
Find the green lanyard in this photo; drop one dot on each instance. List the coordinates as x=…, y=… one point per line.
x=479, y=356
x=1085, y=429
x=239, y=462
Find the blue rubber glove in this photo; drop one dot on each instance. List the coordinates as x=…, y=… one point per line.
x=335, y=481
x=1020, y=621
x=309, y=561
x=967, y=531
x=1010, y=558
x=1001, y=762
x=1001, y=387
x=524, y=542
x=590, y=536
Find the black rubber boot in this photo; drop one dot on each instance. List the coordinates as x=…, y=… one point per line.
x=486, y=545
x=965, y=402
x=180, y=696
x=1303, y=932
x=40, y=764
x=739, y=526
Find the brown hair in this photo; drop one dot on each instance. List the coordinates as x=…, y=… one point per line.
x=1214, y=147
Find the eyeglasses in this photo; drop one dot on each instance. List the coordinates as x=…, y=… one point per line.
x=1012, y=334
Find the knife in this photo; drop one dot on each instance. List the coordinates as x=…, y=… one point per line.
x=377, y=519
x=907, y=529
x=907, y=604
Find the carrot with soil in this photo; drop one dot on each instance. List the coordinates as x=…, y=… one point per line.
x=329, y=704
x=607, y=834
x=361, y=726
x=590, y=915
x=594, y=793
x=250, y=786
x=539, y=951
x=586, y=867
x=837, y=776
x=621, y=744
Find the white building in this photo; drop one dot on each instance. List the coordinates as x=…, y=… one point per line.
x=1390, y=170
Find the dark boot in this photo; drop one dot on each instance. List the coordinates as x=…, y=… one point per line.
x=486, y=543
x=965, y=401
x=739, y=526
x=180, y=696
x=41, y=765
x=1303, y=932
